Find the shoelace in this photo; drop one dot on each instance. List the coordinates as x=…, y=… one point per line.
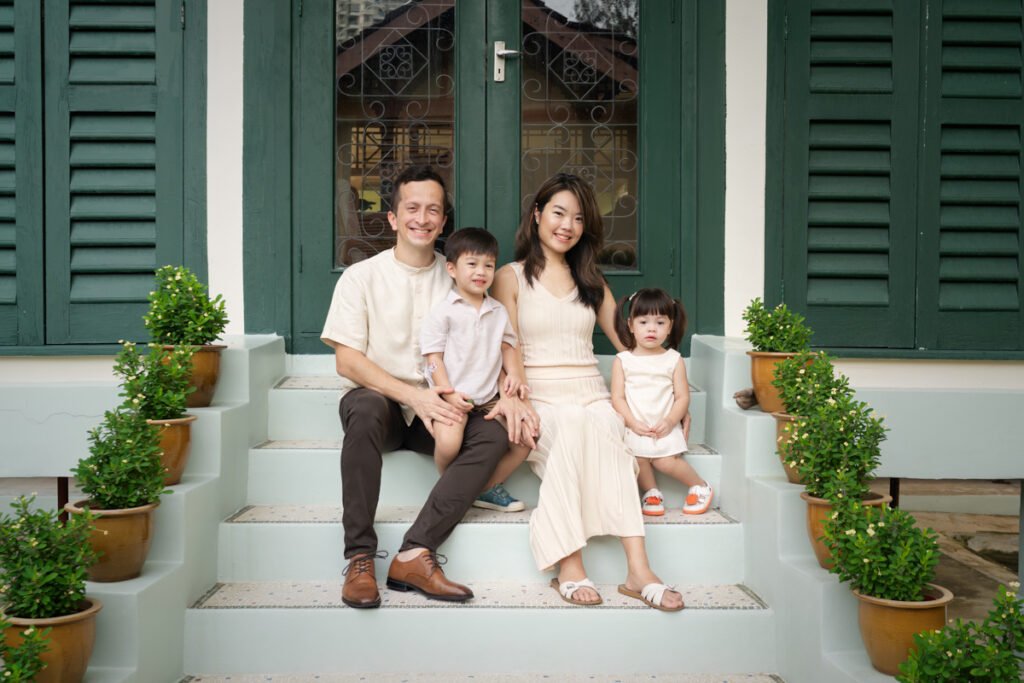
x=364, y=563
x=435, y=560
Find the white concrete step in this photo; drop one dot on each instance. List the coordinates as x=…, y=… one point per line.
x=305, y=543
x=306, y=407
x=309, y=471
x=450, y=677
x=508, y=628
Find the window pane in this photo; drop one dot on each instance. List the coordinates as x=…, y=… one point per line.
x=580, y=79
x=394, y=105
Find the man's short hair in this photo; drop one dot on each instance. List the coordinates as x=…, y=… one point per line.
x=470, y=241
x=415, y=174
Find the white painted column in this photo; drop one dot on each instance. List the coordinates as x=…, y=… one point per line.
x=224, y=157
x=746, y=77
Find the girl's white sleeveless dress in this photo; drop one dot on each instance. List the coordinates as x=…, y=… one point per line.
x=588, y=478
x=649, y=396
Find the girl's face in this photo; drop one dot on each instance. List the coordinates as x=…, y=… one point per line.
x=559, y=224
x=650, y=331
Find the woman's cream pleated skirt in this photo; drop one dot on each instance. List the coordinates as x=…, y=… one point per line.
x=588, y=479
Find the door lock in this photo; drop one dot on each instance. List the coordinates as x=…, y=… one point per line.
x=500, y=55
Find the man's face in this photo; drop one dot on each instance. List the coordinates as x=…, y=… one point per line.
x=419, y=217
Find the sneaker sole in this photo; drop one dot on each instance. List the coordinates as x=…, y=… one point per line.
x=653, y=514
x=514, y=507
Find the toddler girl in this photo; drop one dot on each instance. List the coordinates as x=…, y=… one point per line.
x=650, y=392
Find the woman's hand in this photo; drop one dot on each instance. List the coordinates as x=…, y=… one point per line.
x=523, y=421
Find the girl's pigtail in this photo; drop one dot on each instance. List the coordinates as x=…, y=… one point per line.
x=678, y=324
x=622, y=323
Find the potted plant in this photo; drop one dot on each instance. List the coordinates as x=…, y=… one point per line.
x=181, y=313
x=775, y=334
x=989, y=652
x=157, y=385
x=889, y=563
x=834, y=449
x=22, y=657
x=43, y=563
x=803, y=381
x=124, y=479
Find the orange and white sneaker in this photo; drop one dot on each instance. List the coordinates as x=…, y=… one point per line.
x=698, y=500
x=654, y=503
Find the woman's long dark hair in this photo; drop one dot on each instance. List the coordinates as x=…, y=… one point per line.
x=582, y=258
x=650, y=301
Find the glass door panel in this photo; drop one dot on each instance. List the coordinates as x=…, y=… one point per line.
x=394, y=106
x=578, y=109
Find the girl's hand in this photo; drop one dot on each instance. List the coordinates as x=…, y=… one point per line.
x=661, y=429
x=639, y=428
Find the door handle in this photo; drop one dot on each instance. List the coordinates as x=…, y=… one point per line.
x=500, y=55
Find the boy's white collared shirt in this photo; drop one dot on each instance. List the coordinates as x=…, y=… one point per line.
x=471, y=341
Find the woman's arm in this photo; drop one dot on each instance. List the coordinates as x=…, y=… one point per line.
x=606, y=319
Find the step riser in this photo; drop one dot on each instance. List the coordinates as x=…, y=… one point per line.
x=313, y=477
x=692, y=554
x=571, y=640
x=313, y=414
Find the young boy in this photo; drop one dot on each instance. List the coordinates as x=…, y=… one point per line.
x=466, y=340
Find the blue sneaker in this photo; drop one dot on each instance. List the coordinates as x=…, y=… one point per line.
x=497, y=498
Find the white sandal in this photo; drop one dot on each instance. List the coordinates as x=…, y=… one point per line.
x=651, y=595
x=567, y=590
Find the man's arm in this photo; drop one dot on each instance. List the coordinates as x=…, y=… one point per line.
x=427, y=403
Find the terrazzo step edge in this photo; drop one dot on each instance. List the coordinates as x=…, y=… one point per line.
x=306, y=407
x=453, y=677
x=266, y=543
x=308, y=471
x=507, y=628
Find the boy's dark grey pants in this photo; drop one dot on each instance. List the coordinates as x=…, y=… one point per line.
x=373, y=425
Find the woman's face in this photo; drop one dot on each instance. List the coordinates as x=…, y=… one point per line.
x=559, y=224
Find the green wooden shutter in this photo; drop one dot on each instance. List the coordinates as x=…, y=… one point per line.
x=113, y=96
x=849, y=169
x=21, y=267
x=970, y=252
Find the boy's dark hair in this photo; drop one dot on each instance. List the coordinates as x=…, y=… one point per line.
x=415, y=174
x=470, y=241
x=650, y=301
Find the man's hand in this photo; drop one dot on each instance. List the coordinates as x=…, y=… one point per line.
x=430, y=407
x=523, y=421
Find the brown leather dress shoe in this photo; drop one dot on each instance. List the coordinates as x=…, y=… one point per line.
x=360, y=589
x=423, y=573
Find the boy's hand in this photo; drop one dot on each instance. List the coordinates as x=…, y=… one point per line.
x=459, y=400
x=514, y=386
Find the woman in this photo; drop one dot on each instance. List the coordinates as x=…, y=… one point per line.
x=554, y=293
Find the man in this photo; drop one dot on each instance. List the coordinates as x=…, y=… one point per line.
x=373, y=326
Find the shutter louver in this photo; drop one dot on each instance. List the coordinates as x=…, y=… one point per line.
x=118, y=197
x=849, y=85
x=21, y=268
x=970, y=286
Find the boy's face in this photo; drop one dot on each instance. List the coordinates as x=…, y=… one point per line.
x=473, y=273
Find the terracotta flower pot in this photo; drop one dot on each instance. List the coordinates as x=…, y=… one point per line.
x=818, y=511
x=762, y=372
x=175, y=445
x=205, y=373
x=784, y=436
x=121, y=538
x=70, y=642
x=887, y=627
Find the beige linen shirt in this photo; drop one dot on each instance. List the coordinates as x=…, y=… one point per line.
x=471, y=341
x=378, y=308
